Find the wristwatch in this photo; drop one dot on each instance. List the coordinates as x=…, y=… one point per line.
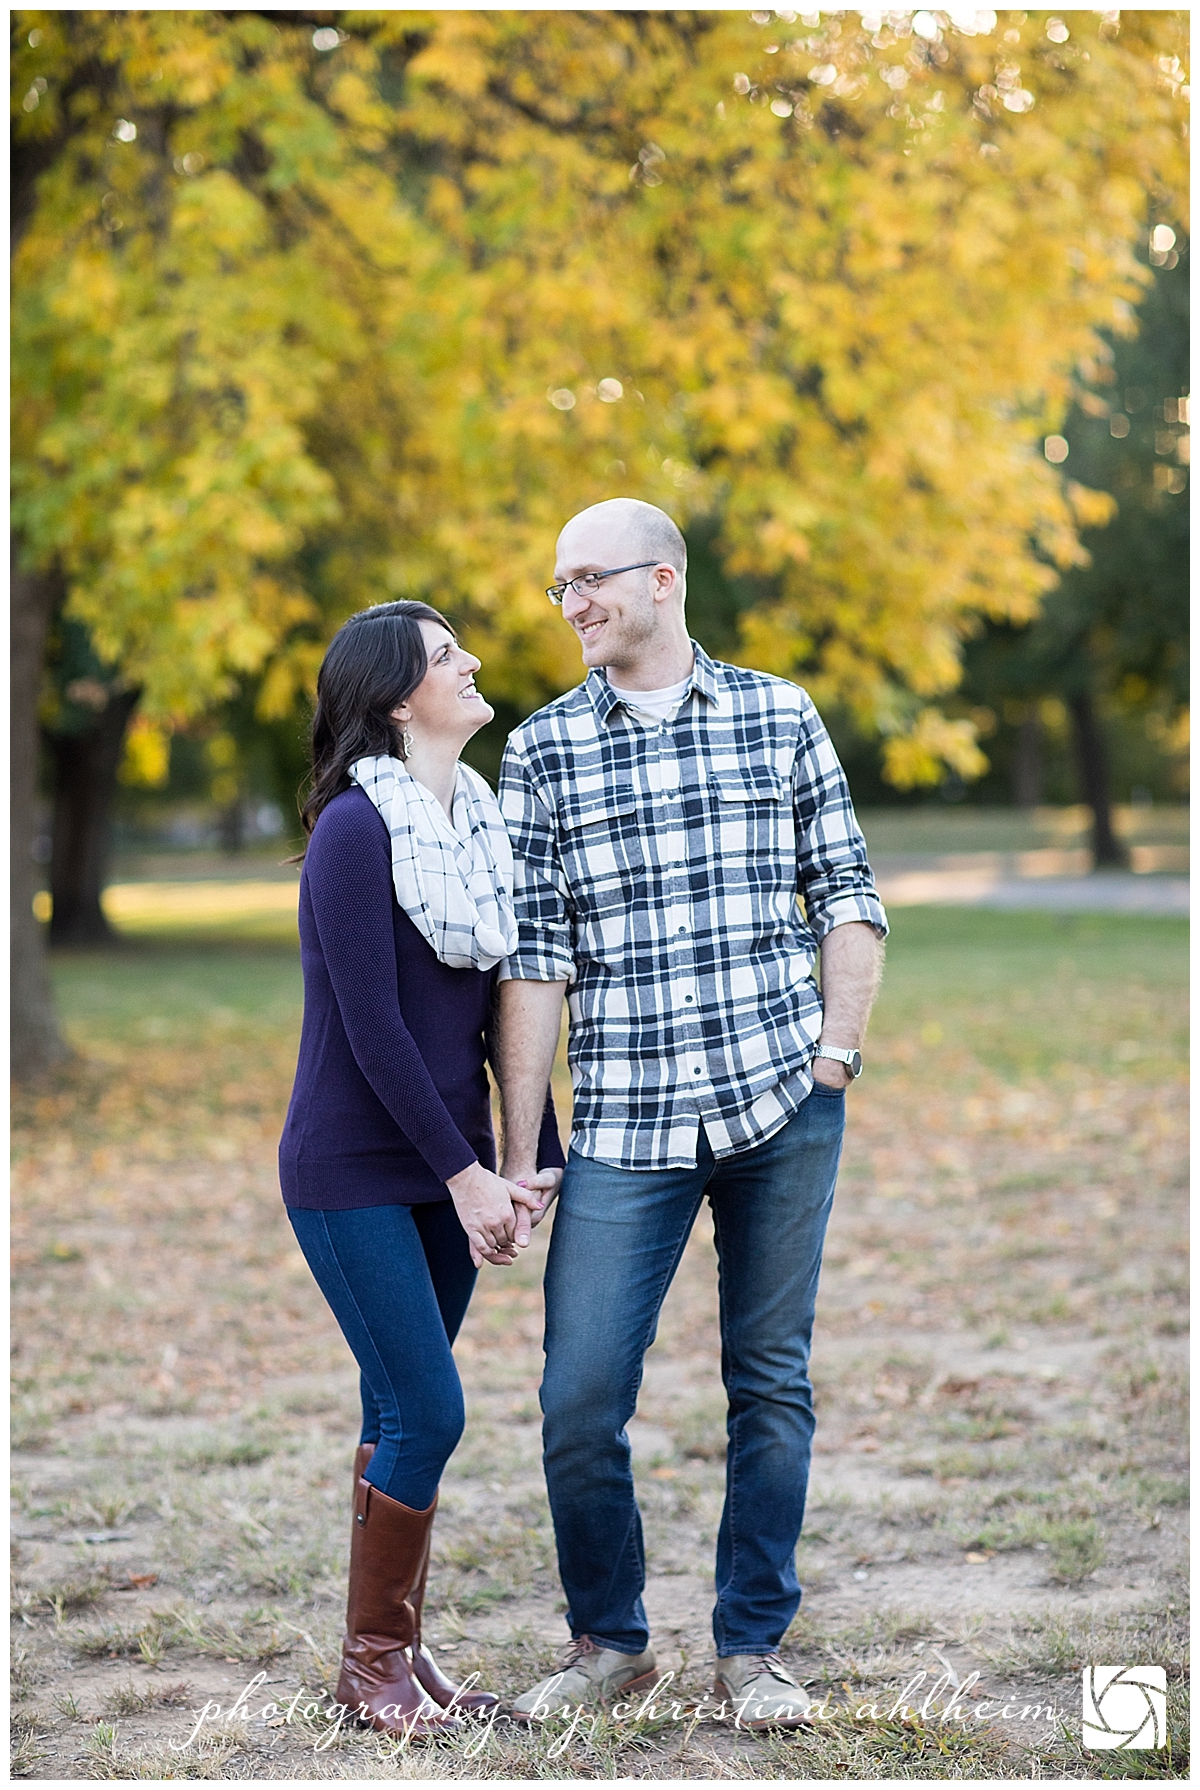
x=851, y=1058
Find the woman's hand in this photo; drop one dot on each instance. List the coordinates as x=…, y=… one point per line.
x=541, y=1190
x=484, y=1203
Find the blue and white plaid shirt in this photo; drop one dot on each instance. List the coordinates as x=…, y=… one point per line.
x=660, y=871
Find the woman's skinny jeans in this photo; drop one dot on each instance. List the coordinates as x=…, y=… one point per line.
x=398, y=1280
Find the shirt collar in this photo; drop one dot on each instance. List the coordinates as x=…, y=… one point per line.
x=704, y=678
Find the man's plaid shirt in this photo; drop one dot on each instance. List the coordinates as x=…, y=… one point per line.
x=658, y=870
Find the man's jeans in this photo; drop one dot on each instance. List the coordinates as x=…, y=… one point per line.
x=618, y=1238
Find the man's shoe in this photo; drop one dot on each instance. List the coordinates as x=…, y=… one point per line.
x=589, y=1677
x=760, y=1692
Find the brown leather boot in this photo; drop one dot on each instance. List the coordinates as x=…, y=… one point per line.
x=387, y=1546
x=443, y=1690
x=426, y=1670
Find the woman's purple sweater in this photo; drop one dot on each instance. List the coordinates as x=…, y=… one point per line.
x=391, y=1093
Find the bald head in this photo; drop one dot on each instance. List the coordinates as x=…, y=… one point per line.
x=630, y=618
x=628, y=531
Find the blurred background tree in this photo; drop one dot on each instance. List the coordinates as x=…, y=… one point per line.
x=86, y=709
x=318, y=309
x=1108, y=652
x=161, y=484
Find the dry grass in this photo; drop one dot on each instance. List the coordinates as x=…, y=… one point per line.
x=999, y=1478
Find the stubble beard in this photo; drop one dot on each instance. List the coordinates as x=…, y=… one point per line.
x=637, y=631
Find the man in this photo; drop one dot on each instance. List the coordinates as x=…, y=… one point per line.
x=664, y=817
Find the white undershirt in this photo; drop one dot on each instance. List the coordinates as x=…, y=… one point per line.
x=654, y=706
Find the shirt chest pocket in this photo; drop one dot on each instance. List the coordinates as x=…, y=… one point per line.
x=600, y=841
x=753, y=822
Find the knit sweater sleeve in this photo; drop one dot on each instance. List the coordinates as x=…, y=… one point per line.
x=550, y=1150
x=350, y=883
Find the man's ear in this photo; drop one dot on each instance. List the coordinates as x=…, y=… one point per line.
x=666, y=582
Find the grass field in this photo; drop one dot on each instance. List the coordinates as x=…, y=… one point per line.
x=938, y=828
x=999, y=1484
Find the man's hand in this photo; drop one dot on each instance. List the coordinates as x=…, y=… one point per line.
x=831, y=1074
x=494, y=1214
x=542, y=1187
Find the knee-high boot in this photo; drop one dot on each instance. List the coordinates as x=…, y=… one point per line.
x=426, y=1670
x=388, y=1544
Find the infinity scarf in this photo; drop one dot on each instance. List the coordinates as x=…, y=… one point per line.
x=454, y=881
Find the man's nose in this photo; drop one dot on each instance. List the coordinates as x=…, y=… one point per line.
x=573, y=605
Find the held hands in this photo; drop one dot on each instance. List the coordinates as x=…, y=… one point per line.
x=494, y=1212
x=541, y=1187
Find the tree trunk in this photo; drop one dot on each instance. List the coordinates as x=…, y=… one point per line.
x=1027, y=767
x=1091, y=756
x=37, y=1042
x=85, y=787
x=233, y=827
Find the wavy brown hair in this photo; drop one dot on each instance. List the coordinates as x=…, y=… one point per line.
x=374, y=663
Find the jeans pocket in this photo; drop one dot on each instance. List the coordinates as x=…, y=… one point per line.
x=819, y=1087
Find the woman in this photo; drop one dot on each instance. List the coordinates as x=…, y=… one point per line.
x=387, y=1156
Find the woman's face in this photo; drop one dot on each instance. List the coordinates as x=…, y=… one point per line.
x=445, y=706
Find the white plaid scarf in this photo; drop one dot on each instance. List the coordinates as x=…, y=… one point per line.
x=454, y=881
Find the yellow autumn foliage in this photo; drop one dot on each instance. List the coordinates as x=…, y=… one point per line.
x=341, y=325
x=147, y=757
x=932, y=742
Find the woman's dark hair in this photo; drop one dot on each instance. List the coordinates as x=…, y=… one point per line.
x=374, y=663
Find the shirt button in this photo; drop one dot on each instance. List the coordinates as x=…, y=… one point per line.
x=683, y=929
x=697, y=1071
x=688, y=999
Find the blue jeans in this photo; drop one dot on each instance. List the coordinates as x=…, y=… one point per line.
x=618, y=1238
x=398, y=1279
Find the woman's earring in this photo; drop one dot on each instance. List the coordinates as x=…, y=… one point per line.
x=406, y=740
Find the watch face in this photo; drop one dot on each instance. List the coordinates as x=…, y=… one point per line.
x=855, y=1063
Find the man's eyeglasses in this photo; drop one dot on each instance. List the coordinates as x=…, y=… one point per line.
x=589, y=582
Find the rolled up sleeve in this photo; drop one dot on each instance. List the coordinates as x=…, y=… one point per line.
x=544, y=950
x=834, y=875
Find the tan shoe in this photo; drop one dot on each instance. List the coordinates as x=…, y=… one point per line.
x=760, y=1692
x=588, y=1678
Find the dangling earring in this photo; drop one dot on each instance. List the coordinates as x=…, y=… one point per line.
x=406, y=740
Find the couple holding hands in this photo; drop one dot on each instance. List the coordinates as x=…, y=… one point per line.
x=674, y=842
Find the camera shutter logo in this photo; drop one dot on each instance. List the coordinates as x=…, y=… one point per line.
x=1124, y=1706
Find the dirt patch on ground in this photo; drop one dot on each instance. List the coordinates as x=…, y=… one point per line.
x=998, y=1486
